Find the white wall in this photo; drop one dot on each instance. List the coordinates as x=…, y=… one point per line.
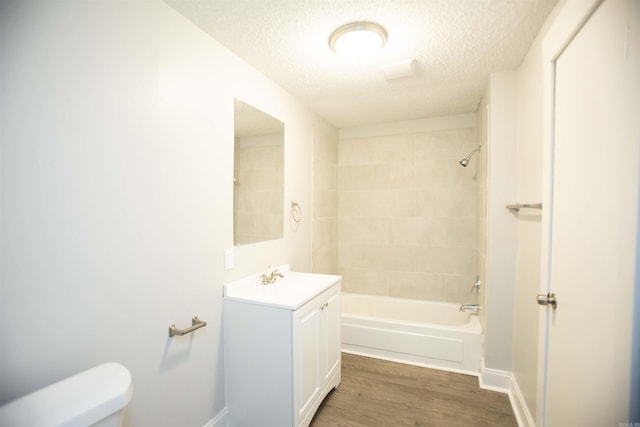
x=116, y=199
x=529, y=183
x=501, y=223
x=534, y=112
x=481, y=205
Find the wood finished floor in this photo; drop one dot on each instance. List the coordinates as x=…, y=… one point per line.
x=379, y=393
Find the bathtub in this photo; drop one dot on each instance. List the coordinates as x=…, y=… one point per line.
x=425, y=333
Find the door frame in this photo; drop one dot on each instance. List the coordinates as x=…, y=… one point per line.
x=568, y=22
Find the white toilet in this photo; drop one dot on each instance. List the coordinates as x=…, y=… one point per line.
x=96, y=397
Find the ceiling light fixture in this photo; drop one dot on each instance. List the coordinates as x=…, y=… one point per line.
x=358, y=42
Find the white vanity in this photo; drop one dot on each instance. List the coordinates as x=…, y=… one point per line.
x=282, y=347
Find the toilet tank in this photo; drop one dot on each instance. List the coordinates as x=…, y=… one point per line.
x=96, y=397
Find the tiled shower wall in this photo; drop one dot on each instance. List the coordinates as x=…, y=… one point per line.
x=407, y=215
x=325, y=202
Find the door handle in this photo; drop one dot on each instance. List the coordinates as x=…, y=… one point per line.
x=548, y=299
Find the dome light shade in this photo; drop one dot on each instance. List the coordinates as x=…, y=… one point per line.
x=358, y=42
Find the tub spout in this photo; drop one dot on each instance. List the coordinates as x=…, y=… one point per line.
x=473, y=308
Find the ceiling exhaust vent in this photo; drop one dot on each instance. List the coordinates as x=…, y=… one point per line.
x=398, y=70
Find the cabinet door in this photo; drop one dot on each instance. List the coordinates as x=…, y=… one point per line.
x=331, y=331
x=307, y=329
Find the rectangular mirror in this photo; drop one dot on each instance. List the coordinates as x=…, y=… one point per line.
x=258, y=194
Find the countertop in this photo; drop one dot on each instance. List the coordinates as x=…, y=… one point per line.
x=290, y=292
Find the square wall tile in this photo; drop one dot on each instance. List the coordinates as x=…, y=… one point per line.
x=407, y=213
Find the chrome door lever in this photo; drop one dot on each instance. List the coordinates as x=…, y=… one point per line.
x=548, y=299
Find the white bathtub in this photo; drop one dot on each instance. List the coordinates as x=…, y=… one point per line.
x=425, y=333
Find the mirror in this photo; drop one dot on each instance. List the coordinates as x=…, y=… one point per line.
x=258, y=191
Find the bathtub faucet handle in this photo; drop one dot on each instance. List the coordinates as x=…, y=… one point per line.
x=476, y=286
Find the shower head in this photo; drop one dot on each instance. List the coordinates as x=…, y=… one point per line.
x=464, y=162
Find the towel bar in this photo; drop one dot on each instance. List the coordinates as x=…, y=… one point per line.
x=195, y=324
x=516, y=207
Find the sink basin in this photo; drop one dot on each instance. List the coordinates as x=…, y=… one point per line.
x=291, y=291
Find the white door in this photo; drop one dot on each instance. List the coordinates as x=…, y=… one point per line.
x=594, y=220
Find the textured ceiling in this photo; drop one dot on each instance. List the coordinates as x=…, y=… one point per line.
x=456, y=44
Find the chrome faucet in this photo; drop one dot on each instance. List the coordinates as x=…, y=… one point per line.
x=271, y=276
x=473, y=308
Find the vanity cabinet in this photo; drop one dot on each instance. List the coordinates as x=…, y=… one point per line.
x=316, y=351
x=282, y=348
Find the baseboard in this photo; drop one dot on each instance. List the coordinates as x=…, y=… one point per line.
x=520, y=408
x=505, y=382
x=494, y=379
x=219, y=420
